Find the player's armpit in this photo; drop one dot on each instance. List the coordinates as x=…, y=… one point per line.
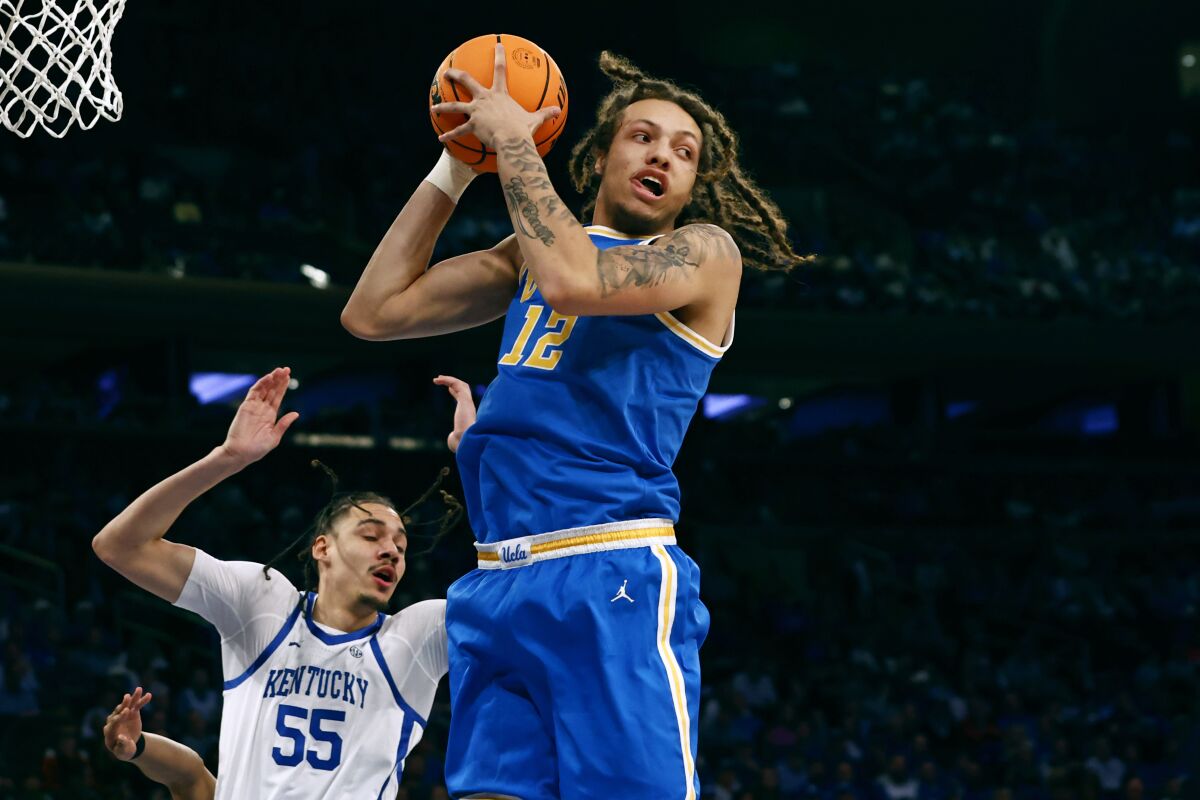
x=452, y=295
x=681, y=268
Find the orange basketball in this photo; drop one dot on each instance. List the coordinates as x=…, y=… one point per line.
x=533, y=81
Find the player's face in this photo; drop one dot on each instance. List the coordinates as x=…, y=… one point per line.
x=649, y=170
x=366, y=555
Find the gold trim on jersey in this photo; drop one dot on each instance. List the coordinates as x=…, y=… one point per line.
x=694, y=339
x=612, y=234
x=526, y=550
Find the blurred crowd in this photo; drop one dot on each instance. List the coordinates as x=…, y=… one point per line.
x=938, y=667
x=917, y=197
x=962, y=211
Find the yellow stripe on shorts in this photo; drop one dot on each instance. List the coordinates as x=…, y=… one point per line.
x=666, y=619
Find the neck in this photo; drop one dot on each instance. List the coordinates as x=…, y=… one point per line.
x=344, y=617
x=616, y=219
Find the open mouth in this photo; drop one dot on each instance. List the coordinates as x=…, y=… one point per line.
x=654, y=185
x=649, y=184
x=384, y=577
x=647, y=189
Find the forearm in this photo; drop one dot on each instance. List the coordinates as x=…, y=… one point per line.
x=177, y=767
x=556, y=248
x=401, y=257
x=147, y=519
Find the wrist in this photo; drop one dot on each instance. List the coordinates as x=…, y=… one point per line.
x=451, y=176
x=227, y=460
x=140, y=747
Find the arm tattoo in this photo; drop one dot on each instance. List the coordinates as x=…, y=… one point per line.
x=556, y=209
x=525, y=213
x=524, y=157
x=531, y=177
x=642, y=265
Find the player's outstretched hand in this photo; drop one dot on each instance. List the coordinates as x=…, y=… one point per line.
x=492, y=113
x=464, y=413
x=255, y=431
x=124, y=725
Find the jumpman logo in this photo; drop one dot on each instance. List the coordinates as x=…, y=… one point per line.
x=621, y=593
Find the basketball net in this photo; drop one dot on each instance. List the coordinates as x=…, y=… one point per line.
x=56, y=64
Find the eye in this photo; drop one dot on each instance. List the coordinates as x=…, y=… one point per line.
x=643, y=137
x=685, y=152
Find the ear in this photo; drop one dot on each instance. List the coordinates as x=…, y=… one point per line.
x=599, y=168
x=320, y=548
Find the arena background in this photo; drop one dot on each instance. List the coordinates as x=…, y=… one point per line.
x=944, y=492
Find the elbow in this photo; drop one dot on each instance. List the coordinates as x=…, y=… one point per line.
x=563, y=297
x=360, y=326
x=371, y=328
x=354, y=323
x=571, y=289
x=102, y=547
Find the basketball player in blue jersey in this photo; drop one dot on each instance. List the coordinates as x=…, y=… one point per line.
x=574, y=648
x=325, y=695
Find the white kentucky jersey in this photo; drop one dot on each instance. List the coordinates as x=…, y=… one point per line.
x=311, y=712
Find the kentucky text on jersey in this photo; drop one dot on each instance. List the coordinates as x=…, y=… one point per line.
x=310, y=681
x=310, y=711
x=584, y=419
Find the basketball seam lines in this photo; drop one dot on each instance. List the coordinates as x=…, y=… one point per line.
x=453, y=87
x=546, y=85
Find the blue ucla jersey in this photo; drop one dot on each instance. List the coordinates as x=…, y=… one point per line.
x=585, y=417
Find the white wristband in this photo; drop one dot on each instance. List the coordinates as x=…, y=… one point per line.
x=451, y=176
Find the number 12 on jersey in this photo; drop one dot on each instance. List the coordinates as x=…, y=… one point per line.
x=546, y=350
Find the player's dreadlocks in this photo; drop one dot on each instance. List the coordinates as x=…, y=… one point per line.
x=723, y=194
x=342, y=502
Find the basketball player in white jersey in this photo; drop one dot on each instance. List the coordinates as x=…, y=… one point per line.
x=325, y=695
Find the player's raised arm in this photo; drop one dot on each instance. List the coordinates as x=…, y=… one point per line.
x=133, y=544
x=652, y=176
x=162, y=760
x=399, y=296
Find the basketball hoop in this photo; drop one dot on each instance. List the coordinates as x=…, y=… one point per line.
x=56, y=64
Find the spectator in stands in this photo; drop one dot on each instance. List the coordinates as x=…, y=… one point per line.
x=1108, y=769
x=200, y=697
x=18, y=684
x=897, y=783
x=756, y=684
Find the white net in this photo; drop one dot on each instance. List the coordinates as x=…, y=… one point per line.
x=56, y=64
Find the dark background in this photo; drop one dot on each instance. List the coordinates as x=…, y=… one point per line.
x=945, y=492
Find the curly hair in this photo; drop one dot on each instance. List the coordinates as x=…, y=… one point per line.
x=724, y=195
x=341, y=502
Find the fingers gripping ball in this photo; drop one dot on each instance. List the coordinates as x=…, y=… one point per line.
x=534, y=81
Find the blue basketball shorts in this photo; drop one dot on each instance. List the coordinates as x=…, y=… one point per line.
x=575, y=667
